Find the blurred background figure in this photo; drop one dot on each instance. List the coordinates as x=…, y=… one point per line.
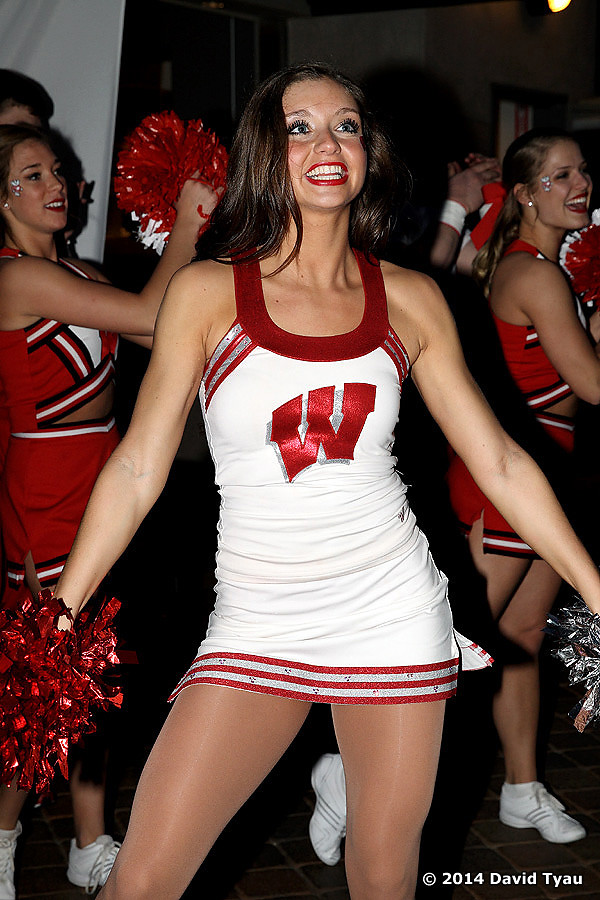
x=552, y=362
x=59, y=321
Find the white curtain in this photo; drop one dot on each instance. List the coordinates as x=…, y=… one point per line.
x=73, y=47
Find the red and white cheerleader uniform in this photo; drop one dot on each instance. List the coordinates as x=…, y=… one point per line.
x=326, y=589
x=542, y=387
x=49, y=370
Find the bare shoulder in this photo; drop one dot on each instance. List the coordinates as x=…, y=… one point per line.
x=527, y=285
x=201, y=296
x=19, y=272
x=24, y=279
x=207, y=284
x=206, y=275
x=406, y=284
x=527, y=268
x=416, y=307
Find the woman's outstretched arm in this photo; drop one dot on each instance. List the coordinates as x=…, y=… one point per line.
x=135, y=474
x=503, y=470
x=34, y=287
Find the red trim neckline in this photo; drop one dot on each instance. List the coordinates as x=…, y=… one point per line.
x=369, y=334
x=522, y=247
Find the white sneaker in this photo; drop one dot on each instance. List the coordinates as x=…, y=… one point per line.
x=327, y=825
x=529, y=805
x=90, y=866
x=8, y=845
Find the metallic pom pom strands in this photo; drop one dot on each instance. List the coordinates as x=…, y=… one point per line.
x=51, y=684
x=580, y=259
x=577, y=632
x=157, y=158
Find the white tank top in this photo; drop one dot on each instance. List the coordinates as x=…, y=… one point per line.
x=301, y=431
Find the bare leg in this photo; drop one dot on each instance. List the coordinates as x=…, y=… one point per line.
x=390, y=756
x=12, y=802
x=87, y=798
x=215, y=748
x=503, y=574
x=516, y=705
x=520, y=594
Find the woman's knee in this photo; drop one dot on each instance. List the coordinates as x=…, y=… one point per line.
x=384, y=868
x=524, y=633
x=138, y=882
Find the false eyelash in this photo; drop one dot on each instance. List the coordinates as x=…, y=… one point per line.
x=351, y=121
x=295, y=124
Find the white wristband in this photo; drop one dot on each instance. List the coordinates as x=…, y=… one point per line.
x=483, y=209
x=453, y=214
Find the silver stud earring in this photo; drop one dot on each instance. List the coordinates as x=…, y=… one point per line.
x=530, y=203
x=5, y=205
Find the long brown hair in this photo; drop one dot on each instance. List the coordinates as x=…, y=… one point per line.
x=10, y=137
x=259, y=204
x=522, y=164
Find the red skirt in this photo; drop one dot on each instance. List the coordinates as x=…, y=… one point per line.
x=47, y=481
x=470, y=504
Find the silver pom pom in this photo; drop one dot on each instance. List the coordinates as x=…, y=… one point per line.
x=577, y=632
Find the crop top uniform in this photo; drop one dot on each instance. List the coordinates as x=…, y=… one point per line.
x=48, y=370
x=542, y=387
x=326, y=589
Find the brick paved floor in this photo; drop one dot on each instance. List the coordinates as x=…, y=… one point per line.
x=278, y=862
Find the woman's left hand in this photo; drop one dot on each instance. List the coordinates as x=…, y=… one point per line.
x=197, y=199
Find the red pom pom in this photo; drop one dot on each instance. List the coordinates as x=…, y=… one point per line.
x=580, y=258
x=158, y=157
x=50, y=683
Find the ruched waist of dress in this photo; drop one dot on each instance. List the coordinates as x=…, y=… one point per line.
x=321, y=540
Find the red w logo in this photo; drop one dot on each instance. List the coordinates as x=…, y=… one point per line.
x=331, y=419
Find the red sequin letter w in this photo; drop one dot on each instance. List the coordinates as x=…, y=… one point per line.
x=330, y=419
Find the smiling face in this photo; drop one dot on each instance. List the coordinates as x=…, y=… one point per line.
x=35, y=193
x=561, y=193
x=327, y=160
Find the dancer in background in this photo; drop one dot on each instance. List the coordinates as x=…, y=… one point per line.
x=553, y=363
x=24, y=101
x=299, y=343
x=58, y=338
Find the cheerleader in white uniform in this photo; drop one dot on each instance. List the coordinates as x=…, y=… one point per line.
x=299, y=342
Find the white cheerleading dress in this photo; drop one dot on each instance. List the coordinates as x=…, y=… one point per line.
x=326, y=590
